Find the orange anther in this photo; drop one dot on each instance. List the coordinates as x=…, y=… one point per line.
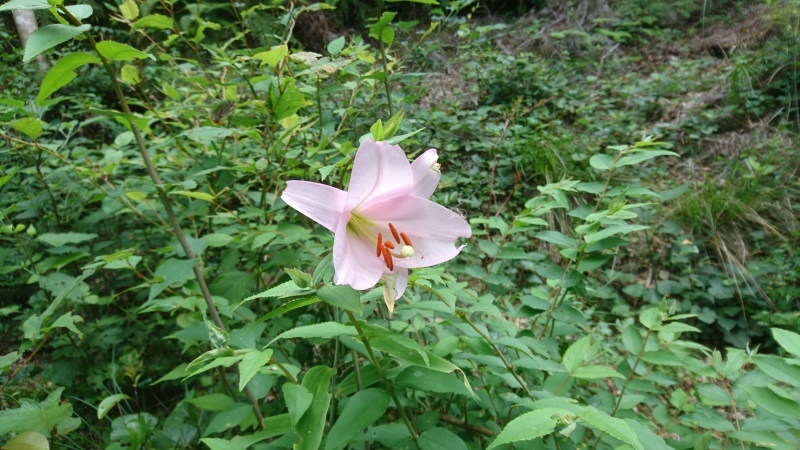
x=394, y=233
x=387, y=258
x=380, y=245
x=406, y=239
x=389, y=245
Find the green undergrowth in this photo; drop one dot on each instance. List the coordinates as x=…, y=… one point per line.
x=629, y=175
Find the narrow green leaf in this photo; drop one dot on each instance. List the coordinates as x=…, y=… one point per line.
x=773, y=402
x=427, y=380
x=778, y=369
x=556, y=237
x=595, y=371
x=576, y=354
x=221, y=444
x=312, y=424
x=325, y=330
x=157, y=21
x=61, y=239
x=48, y=37
x=105, y=406
x=641, y=156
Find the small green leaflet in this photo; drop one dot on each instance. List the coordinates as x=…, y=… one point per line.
x=48, y=37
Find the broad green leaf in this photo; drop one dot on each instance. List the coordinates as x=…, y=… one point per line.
x=298, y=399
x=68, y=321
x=228, y=418
x=789, y=340
x=362, y=410
x=8, y=176
x=778, y=369
x=115, y=51
x=577, y=353
x=130, y=74
x=528, y=426
x=48, y=37
x=774, y=401
x=212, y=402
x=273, y=57
x=440, y=439
x=9, y=359
x=105, y=406
x=61, y=239
x=613, y=230
x=335, y=46
x=198, y=195
x=202, y=135
x=650, y=318
x=713, y=395
x=764, y=439
x=312, y=424
x=601, y=161
x=273, y=426
x=157, y=21
x=129, y=9
x=171, y=271
x=662, y=358
x=221, y=444
x=556, y=237
x=39, y=417
x=343, y=297
x=642, y=156
x=676, y=327
x=325, y=330
x=29, y=440
x=424, y=379
x=25, y=5
x=62, y=72
x=594, y=371
x=29, y=126
x=614, y=427
x=632, y=340
x=250, y=364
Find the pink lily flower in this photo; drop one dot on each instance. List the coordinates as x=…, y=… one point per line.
x=385, y=223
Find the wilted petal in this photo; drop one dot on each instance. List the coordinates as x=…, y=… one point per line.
x=322, y=204
x=394, y=285
x=380, y=171
x=426, y=174
x=432, y=228
x=354, y=260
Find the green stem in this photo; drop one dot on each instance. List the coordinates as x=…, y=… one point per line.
x=165, y=201
x=382, y=375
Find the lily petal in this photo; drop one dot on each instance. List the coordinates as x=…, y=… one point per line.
x=354, y=260
x=321, y=203
x=432, y=228
x=425, y=177
x=380, y=171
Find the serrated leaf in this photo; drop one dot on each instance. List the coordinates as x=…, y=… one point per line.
x=528, y=426
x=250, y=364
x=39, y=417
x=595, y=371
x=325, y=330
x=343, y=296
x=48, y=37
x=576, y=353
x=614, y=427
x=29, y=126
x=62, y=72
x=129, y=9
x=427, y=380
x=298, y=399
x=778, y=369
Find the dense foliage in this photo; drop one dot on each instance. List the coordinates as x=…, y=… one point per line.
x=628, y=169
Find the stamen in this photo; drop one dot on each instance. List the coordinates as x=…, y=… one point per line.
x=389, y=245
x=406, y=239
x=378, y=250
x=394, y=233
x=387, y=258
